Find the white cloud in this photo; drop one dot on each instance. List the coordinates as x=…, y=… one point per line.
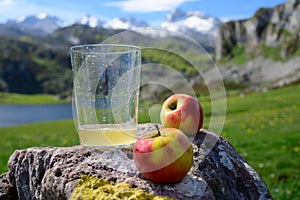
x=147, y=5
x=6, y=9
x=7, y=2
x=4, y=4
x=17, y=9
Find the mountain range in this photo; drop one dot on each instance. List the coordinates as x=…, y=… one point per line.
x=40, y=24
x=196, y=24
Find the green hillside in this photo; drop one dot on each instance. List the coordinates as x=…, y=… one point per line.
x=30, y=67
x=41, y=65
x=263, y=127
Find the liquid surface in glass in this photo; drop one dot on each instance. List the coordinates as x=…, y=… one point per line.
x=95, y=135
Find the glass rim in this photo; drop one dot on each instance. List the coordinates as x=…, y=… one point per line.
x=82, y=48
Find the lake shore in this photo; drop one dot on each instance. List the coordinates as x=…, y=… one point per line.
x=18, y=114
x=14, y=98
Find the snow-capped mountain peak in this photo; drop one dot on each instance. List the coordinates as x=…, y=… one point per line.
x=124, y=23
x=90, y=21
x=42, y=16
x=196, y=21
x=175, y=15
x=18, y=19
x=178, y=15
x=40, y=23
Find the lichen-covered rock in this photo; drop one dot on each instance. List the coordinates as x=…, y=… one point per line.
x=90, y=187
x=218, y=172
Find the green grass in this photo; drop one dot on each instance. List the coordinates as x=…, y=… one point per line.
x=10, y=98
x=263, y=127
x=56, y=133
x=271, y=52
x=239, y=55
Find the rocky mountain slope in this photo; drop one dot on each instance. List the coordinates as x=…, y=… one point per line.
x=33, y=64
x=35, y=50
x=262, y=51
x=270, y=27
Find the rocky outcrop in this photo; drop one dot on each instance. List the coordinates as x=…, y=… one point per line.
x=261, y=52
x=218, y=172
x=273, y=27
x=260, y=74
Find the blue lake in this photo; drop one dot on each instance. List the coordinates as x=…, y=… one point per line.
x=12, y=115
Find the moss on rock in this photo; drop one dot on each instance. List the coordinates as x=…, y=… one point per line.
x=92, y=187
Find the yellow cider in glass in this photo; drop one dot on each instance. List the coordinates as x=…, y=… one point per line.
x=95, y=135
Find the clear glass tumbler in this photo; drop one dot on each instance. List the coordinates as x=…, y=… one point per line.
x=106, y=80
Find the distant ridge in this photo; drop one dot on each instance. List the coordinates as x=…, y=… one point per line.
x=193, y=23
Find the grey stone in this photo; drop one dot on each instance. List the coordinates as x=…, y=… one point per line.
x=218, y=172
x=266, y=26
x=276, y=27
x=260, y=74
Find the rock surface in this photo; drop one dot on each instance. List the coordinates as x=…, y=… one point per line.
x=274, y=27
x=260, y=74
x=264, y=48
x=218, y=172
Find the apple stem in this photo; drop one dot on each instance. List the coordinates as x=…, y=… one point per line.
x=156, y=126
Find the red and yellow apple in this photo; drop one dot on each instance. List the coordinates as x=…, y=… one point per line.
x=183, y=112
x=163, y=156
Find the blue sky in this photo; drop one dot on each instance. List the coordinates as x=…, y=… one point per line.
x=152, y=11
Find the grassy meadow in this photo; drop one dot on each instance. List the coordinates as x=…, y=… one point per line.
x=263, y=127
x=6, y=98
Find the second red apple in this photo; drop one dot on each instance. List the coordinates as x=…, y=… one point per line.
x=183, y=112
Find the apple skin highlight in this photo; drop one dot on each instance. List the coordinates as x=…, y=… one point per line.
x=164, y=158
x=183, y=112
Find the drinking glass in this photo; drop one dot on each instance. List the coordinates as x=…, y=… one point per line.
x=106, y=80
